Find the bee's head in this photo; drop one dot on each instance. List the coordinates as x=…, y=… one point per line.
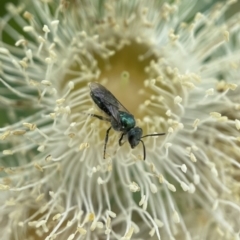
x=134, y=136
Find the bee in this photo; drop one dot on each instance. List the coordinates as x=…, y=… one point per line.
x=118, y=116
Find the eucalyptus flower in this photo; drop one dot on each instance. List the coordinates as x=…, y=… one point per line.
x=174, y=67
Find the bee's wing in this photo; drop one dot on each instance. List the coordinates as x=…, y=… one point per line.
x=108, y=99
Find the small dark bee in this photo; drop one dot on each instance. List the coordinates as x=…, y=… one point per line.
x=119, y=117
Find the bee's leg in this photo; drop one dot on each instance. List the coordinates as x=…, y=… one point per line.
x=105, y=144
x=120, y=140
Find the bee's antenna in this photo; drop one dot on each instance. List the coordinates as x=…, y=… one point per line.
x=144, y=150
x=154, y=134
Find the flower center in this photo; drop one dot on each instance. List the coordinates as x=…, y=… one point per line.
x=125, y=73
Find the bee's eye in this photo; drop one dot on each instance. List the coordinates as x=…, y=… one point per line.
x=133, y=141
